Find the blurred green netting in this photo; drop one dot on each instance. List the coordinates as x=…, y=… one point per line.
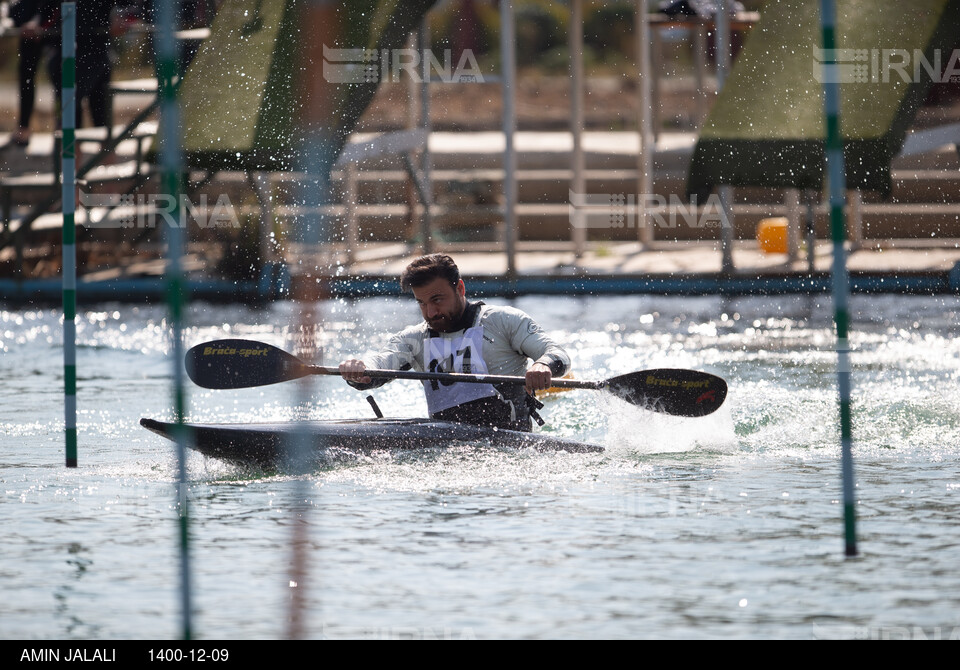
x=242, y=107
x=767, y=126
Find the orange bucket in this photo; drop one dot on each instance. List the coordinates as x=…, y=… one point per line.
x=772, y=235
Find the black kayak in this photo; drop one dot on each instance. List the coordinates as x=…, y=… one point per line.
x=266, y=444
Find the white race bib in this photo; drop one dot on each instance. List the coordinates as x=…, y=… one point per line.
x=456, y=354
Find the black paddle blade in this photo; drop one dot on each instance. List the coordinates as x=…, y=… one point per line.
x=677, y=392
x=234, y=364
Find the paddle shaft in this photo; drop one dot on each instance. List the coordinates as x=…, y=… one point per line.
x=454, y=377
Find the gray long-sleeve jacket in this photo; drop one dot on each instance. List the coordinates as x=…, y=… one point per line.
x=510, y=340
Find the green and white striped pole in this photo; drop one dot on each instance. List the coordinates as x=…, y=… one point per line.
x=171, y=162
x=68, y=102
x=837, y=183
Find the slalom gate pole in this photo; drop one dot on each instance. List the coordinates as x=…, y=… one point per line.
x=836, y=174
x=68, y=171
x=171, y=165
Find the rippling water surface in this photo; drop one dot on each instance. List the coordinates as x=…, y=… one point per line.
x=725, y=526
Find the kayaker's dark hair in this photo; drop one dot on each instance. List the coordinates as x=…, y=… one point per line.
x=425, y=269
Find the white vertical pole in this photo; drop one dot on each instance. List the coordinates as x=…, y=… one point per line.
x=648, y=145
x=655, y=56
x=855, y=200
x=508, y=58
x=350, y=194
x=700, y=68
x=426, y=223
x=794, y=216
x=579, y=232
x=726, y=192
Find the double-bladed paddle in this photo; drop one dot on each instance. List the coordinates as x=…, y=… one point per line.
x=233, y=364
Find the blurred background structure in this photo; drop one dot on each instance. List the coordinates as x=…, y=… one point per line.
x=534, y=171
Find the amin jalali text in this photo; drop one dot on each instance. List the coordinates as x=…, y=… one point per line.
x=140, y=651
x=68, y=655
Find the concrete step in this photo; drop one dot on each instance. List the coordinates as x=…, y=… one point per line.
x=551, y=222
x=467, y=189
x=483, y=186
x=23, y=192
x=607, y=150
x=535, y=222
x=462, y=159
x=39, y=154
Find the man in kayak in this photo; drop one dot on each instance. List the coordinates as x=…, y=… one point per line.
x=471, y=337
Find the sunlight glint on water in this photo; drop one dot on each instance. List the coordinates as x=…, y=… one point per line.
x=723, y=526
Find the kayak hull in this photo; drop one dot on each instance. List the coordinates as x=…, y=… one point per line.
x=266, y=444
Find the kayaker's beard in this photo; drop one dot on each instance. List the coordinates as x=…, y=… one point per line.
x=447, y=322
